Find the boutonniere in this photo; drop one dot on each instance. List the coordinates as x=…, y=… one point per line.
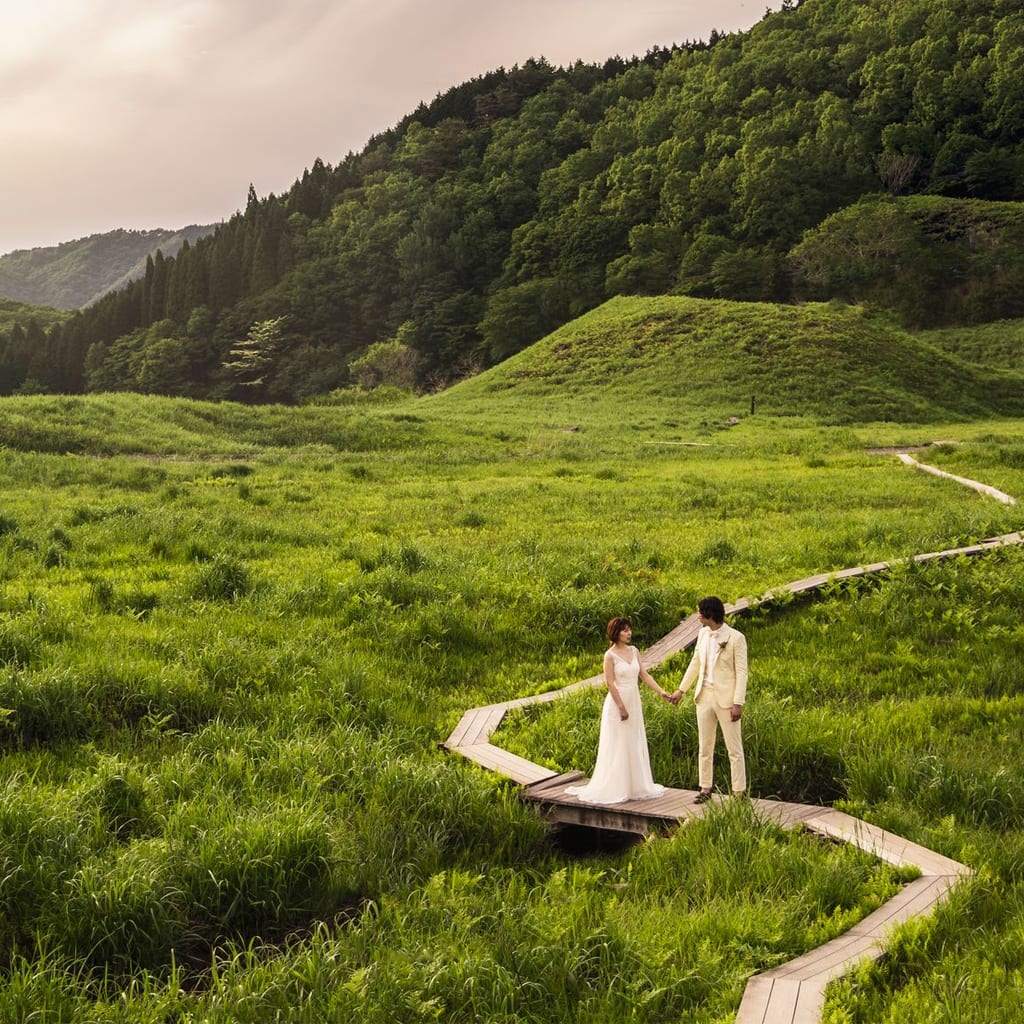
x=721, y=644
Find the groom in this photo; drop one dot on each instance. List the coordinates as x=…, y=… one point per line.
x=719, y=668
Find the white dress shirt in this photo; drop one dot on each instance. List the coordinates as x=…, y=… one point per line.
x=710, y=657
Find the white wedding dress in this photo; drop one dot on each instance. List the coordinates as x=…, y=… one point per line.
x=623, y=769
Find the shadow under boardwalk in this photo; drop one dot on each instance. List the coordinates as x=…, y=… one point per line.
x=661, y=814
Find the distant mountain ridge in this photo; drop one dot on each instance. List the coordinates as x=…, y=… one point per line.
x=75, y=274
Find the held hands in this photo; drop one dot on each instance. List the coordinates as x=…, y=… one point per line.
x=670, y=698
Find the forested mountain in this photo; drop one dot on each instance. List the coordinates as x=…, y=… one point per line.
x=519, y=200
x=74, y=274
x=14, y=313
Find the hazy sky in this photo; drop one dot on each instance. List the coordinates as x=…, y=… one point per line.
x=120, y=114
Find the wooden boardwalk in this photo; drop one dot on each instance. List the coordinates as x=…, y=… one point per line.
x=909, y=460
x=793, y=993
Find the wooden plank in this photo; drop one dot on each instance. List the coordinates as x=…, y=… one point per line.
x=867, y=937
x=771, y=1000
x=787, y=1001
x=885, y=845
x=668, y=810
x=584, y=684
x=669, y=805
x=465, y=724
x=675, y=640
x=915, y=898
x=832, y=959
x=756, y=999
x=842, y=574
x=536, y=698
x=868, y=837
x=934, y=864
x=810, y=1000
x=809, y=582
x=675, y=806
x=786, y=815
x=930, y=556
x=544, y=789
x=610, y=818
x=838, y=825
x=877, y=567
x=483, y=725
x=511, y=765
x=981, y=488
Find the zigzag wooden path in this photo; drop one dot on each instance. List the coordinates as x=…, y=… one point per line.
x=793, y=993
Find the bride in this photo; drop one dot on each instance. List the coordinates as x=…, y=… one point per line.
x=623, y=769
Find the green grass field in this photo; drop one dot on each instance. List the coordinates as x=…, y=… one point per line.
x=232, y=640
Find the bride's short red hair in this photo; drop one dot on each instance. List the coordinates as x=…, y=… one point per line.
x=616, y=626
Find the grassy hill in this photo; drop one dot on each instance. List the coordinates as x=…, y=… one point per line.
x=996, y=344
x=74, y=274
x=154, y=426
x=707, y=359
x=649, y=368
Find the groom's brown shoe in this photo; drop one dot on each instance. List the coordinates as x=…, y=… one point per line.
x=702, y=797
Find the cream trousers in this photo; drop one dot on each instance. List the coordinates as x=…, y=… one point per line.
x=709, y=717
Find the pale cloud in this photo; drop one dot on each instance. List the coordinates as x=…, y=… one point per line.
x=152, y=44
x=120, y=114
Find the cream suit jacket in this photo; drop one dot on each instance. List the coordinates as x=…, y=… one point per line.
x=730, y=672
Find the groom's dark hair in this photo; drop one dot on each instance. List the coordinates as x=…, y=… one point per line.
x=712, y=608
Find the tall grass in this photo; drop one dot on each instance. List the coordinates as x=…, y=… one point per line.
x=225, y=673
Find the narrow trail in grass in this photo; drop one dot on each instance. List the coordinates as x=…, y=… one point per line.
x=793, y=993
x=909, y=460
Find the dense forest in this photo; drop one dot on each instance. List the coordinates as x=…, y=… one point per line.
x=76, y=274
x=866, y=150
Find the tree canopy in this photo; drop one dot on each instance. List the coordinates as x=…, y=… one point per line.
x=740, y=167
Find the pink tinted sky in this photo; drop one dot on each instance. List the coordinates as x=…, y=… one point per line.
x=116, y=114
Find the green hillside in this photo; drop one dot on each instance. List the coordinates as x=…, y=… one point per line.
x=74, y=274
x=996, y=344
x=708, y=359
x=151, y=425
x=13, y=313
x=654, y=367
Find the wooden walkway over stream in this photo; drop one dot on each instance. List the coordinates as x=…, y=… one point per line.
x=793, y=993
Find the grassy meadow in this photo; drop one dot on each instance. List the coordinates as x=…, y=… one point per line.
x=232, y=640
